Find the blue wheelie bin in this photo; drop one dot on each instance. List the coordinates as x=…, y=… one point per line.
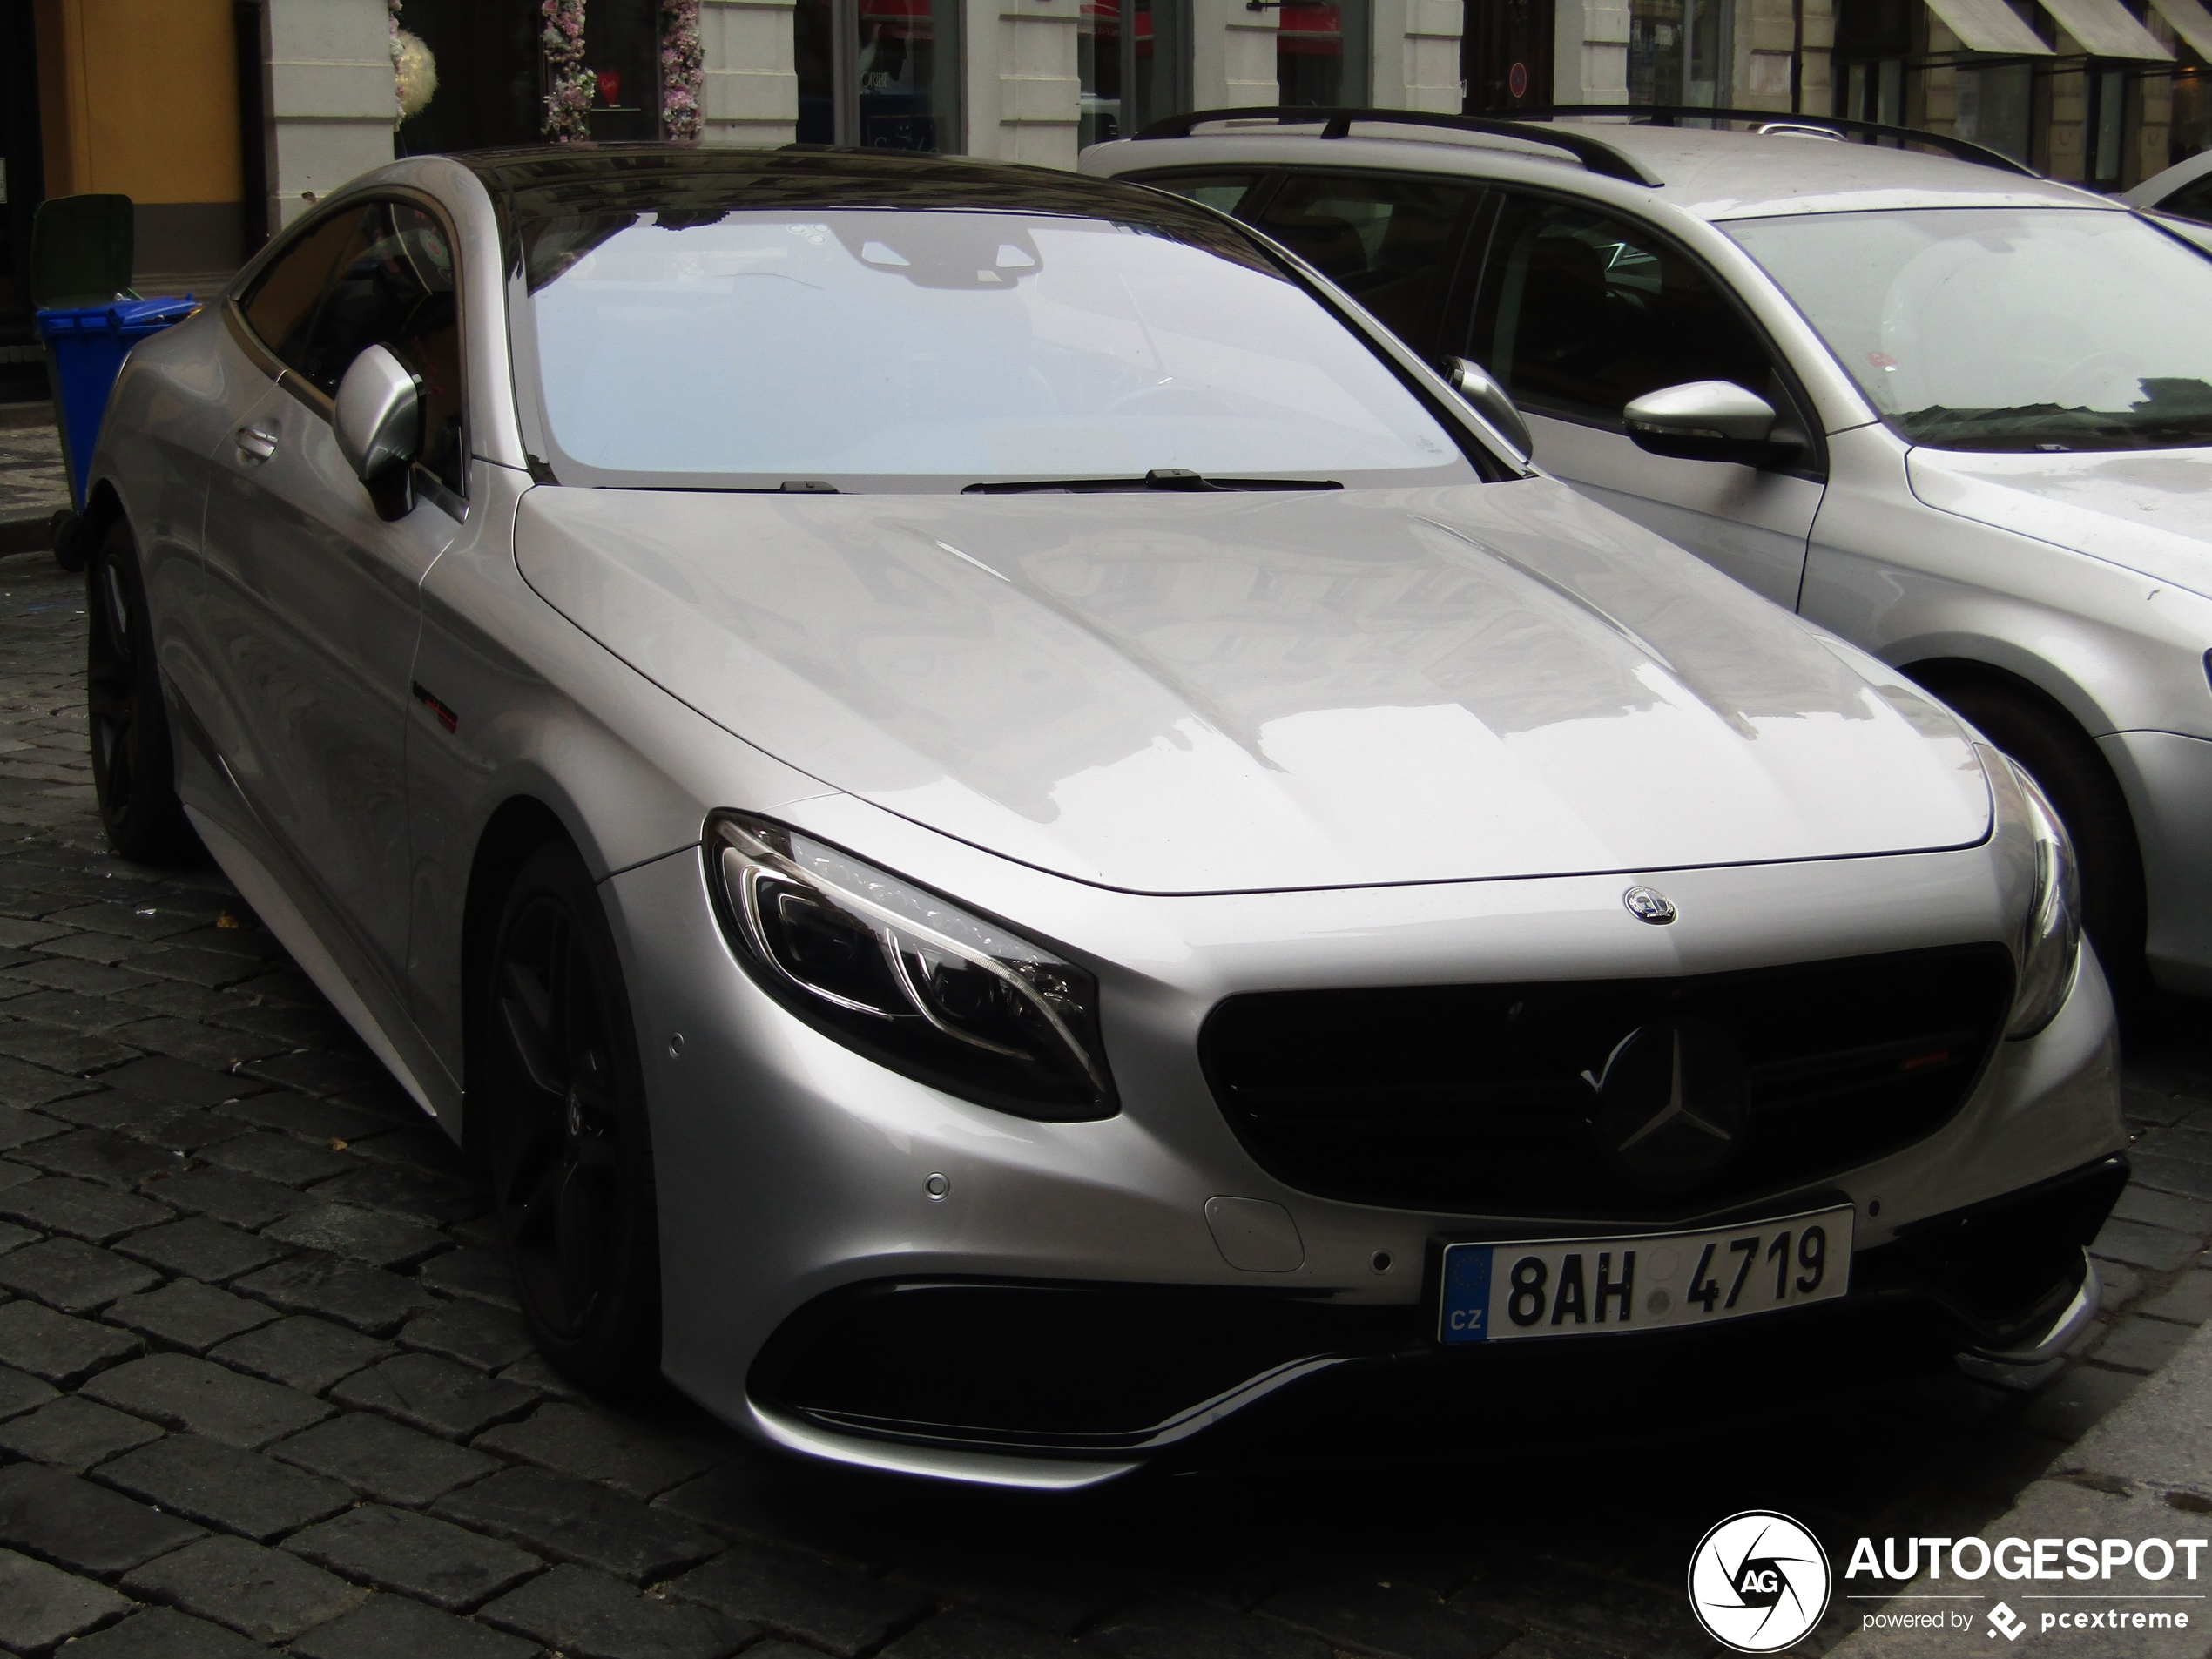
x=85, y=347
x=81, y=253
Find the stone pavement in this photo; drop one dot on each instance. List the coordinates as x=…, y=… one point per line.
x=262, y=1387
x=2145, y=1472
x=32, y=484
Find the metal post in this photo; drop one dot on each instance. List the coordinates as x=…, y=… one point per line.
x=845, y=72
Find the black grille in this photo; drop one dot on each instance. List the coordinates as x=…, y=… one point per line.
x=1482, y=1098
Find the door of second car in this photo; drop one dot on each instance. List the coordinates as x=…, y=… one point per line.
x=1577, y=313
x=319, y=592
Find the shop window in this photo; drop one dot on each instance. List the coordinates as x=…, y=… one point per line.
x=1997, y=107
x=1130, y=56
x=2190, y=126
x=1321, y=54
x=881, y=74
x=2107, y=122
x=1874, y=92
x=1505, y=53
x=1678, y=51
x=490, y=74
x=622, y=50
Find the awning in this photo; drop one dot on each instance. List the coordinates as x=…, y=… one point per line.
x=2106, y=30
x=2191, y=22
x=1989, y=26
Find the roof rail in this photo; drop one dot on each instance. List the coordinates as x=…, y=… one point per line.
x=1667, y=115
x=1593, y=153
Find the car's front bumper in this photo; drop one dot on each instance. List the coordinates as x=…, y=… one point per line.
x=803, y=1244
x=1063, y=1383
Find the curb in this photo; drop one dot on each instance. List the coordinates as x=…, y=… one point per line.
x=33, y=534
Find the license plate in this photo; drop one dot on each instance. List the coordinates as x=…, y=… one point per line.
x=1561, y=1287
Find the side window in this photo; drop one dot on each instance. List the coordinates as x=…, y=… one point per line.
x=280, y=306
x=393, y=286
x=1387, y=242
x=2193, y=201
x=1579, y=314
x=1222, y=191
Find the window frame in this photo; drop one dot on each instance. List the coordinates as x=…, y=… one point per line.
x=1811, y=465
x=454, y=503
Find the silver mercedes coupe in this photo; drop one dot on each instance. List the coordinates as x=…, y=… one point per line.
x=1010, y=830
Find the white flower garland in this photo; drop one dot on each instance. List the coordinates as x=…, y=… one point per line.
x=415, y=70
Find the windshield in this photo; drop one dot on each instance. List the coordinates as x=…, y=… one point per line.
x=2007, y=328
x=933, y=351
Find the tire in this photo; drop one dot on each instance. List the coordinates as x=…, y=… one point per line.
x=2061, y=758
x=565, y=1131
x=134, y=772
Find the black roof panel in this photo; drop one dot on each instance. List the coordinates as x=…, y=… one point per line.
x=541, y=182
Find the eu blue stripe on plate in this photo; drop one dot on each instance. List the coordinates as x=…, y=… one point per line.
x=1466, y=1294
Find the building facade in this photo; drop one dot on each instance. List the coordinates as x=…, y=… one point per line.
x=223, y=119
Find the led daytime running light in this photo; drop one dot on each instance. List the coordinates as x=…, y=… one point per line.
x=816, y=917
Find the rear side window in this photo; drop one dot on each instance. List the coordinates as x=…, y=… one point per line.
x=1580, y=313
x=2193, y=201
x=1387, y=242
x=1225, y=191
x=280, y=307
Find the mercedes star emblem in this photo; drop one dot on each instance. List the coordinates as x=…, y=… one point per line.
x=1673, y=1102
x=1648, y=904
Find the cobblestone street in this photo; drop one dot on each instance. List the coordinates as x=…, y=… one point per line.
x=262, y=1386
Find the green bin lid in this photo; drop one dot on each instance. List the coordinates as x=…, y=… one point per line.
x=81, y=248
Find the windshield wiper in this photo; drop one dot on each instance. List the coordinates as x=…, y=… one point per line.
x=1158, y=478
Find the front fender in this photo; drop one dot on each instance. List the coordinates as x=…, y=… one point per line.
x=540, y=712
x=2118, y=650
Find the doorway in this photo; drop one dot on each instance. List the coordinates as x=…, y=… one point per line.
x=489, y=77
x=23, y=367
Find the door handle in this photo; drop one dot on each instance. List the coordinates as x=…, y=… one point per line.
x=253, y=444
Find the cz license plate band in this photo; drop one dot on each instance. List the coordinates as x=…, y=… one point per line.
x=1564, y=1287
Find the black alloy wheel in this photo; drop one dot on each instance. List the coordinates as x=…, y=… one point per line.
x=566, y=1130
x=134, y=776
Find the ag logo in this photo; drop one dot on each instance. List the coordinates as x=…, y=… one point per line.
x=1758, y=1581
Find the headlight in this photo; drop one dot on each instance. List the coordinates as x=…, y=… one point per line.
x=2049, y=948
x=906, y=977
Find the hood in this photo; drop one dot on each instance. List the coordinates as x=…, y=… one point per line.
x=2147, y=509
x=1168, y=692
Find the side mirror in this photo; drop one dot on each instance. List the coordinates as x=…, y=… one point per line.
x=1490, y=400
x=1710, y=420
x=378, y=426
